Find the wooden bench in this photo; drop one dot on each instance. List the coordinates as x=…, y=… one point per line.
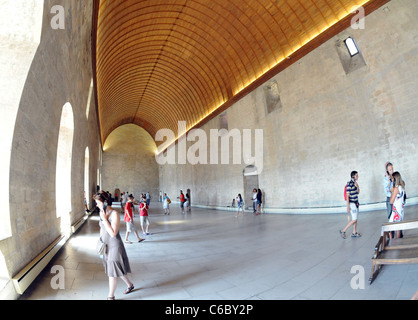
x=395, y=251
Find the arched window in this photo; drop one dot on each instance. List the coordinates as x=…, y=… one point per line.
x=250, y=174
x=86, y=177
x=99, y=173
x=89, y=99
x=63, y=172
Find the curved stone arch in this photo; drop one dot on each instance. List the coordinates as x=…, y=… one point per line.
x=63, y=167
x=20, y=35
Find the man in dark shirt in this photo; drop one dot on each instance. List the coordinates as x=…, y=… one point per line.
x=353, y=191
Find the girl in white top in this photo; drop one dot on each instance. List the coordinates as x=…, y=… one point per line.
x=397, y=200
x=240, y=203
x=166, y=204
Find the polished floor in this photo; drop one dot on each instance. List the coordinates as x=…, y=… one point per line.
x=211, y=255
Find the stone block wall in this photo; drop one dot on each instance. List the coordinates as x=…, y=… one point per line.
x=328, y=124
x=129, y=163
x=60, y=73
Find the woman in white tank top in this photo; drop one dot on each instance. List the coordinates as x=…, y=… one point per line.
x=397, y=200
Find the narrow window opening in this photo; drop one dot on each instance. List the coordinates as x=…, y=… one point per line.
x=63, y=169
x=89, y=99
x=350, y=56
x=86, y=177
x=272, y=97
x=223, y=120
x=351, y=46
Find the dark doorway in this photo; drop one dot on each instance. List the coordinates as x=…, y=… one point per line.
x=117, y=195
x=250, y=182
x=190, y=197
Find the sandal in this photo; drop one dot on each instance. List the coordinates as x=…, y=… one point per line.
x=111, y=298
x=342, y=234
x=129, y=290
x=355, y=235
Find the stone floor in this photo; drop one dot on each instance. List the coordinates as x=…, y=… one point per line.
x=211, y=255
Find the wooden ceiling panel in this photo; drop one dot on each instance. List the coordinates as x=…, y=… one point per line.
x=161, y=61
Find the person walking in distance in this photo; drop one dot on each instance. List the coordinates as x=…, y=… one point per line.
x=182, y=201
x=148, y=198
x=123, y=200
x=388, y=181
x=129, y=220
x=388, y=185
x=86, y=208
x=259, y=201
x=353, y=190
x=187, y=202
x=240, y=203
x=143, y=216
x=166, y=204
x=255, y=200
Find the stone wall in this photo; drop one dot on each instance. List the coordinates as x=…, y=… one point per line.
x=129, y=163
x=60, y=73
x=327, y=123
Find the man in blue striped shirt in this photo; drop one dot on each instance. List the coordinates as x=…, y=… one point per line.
x=353, y=191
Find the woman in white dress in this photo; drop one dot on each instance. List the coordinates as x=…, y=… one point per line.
x=166, y=204
x=397, y=200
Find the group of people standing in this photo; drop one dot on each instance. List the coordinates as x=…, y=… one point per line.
x=394, y=188
x=143, y=217
x=257, y=202
x=184, y=202
x=125, y=195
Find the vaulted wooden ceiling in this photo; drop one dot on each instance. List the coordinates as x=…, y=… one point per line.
x=160, y=61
